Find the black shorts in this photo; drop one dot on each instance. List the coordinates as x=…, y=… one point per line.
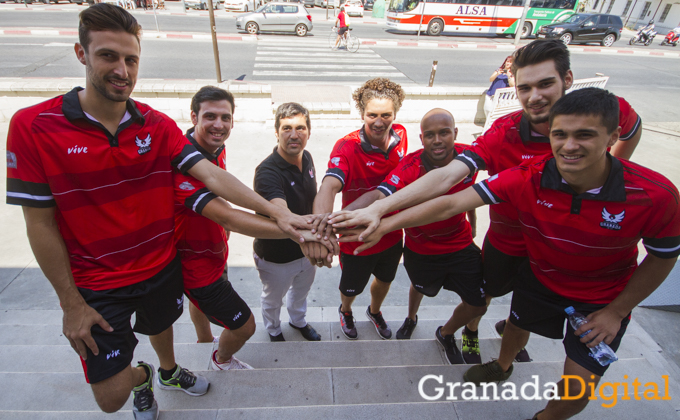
x=537, y=309
x=156, y=303
x=459, y=272
x=357, y=269
x=220, y=303
x=343, y=30
x=501, y=271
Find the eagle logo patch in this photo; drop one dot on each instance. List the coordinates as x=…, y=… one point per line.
x=611, y=221
x=144, y=145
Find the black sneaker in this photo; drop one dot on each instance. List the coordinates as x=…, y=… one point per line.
x=471, y=347
x=404, y=332
x=523, y=355
x=347, y=324
x=144, y=405
x=487, y=372
x=379, y=323
x=448, y=343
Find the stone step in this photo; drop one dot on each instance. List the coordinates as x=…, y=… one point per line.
x=270, y=388
x=514, y=410
x=296, y=355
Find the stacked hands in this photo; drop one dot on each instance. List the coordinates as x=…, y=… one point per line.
x=317, y=234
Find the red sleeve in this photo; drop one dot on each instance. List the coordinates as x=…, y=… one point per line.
x=504, y=186
x=190, y=192
x=629, y=120
x=661, y=236
x=183, y=154
x=338, y=164
x=27, y=183
x=406, y=172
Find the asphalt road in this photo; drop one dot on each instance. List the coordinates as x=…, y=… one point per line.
x=64, y=15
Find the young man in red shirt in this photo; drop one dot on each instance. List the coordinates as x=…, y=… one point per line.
x=542, y=76
x=358, y=163
x=439, y=254
x=582, y=213
x=93, y=172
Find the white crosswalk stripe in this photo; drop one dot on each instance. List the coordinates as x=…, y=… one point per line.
x=288, y=58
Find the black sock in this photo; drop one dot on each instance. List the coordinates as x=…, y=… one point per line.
x=166, y=375
x=147, y=371
x=470, y=333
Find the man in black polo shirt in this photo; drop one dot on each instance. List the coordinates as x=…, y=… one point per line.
x=286, y=178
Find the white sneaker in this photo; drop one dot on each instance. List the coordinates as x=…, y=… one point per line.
x=231, y=364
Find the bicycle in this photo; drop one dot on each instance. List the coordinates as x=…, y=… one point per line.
x=349, y=41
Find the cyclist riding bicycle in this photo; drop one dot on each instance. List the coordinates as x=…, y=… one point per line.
x=342, y=22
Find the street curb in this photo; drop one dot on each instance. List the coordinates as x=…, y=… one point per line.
x=364, y=41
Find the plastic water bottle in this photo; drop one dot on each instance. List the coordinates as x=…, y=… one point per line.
x=602, y=352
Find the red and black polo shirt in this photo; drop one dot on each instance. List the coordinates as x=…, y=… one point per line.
x=202, y=243
x=584, y=246
x=509, y=142
x=437, y=238
x=361, y=167
x=112, y=192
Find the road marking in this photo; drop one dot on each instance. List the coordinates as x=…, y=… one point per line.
x=322, y=66
x=332, y=74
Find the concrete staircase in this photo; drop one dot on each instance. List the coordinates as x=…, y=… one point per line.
x=334, y=378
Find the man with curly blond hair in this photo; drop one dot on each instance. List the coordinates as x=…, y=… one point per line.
x=358, y=163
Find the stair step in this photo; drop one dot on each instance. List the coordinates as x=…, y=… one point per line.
x=293, y=388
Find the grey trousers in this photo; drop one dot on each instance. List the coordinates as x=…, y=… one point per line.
x=294, y=279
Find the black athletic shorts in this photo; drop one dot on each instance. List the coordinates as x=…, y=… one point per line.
x=343, y=30
x=538, y=309
x=501, y=271
x=220, y=303
x=156, y=303
x=357, y=269
x=459, y=272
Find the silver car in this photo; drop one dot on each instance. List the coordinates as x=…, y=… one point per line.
x=277, y=17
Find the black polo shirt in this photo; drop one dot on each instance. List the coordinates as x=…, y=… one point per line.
x=276, y=178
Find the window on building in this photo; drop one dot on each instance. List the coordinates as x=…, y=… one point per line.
x=645, y=9
x=625, y=9
x=664, y=15
x=609, y=9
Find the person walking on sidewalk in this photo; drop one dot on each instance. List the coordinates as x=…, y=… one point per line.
x=542, y=76
x=571, y=204
x=440, y=254
x=358, y=163
x=286, y=178
x=92, y=171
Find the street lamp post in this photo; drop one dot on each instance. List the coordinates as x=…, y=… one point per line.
x=213, y=32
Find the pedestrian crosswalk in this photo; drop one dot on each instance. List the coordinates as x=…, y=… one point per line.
x=286, y=58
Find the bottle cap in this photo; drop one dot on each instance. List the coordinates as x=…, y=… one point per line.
x=570, y=310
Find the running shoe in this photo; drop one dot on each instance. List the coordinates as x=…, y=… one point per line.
x=470, y=351
x=448, y=343
x=232, y=364
x=404, y=332
x=347, y=324
x=144, y=405
x=522, y=355
x=185, y=380
x=379, y=323
x=487, y=372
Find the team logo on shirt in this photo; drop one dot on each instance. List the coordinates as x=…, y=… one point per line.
x=311, y=173
x=394, y=179
x=400, y=153
x=335, y=161
x=144, y=145
x=186, y=186
x=611, y=221
x=371, y=163
x=11, y=160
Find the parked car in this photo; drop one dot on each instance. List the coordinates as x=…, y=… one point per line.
x=325, y=3
x=585, y=27
x=354, y=8
x=200, y=4
x=277, y=17
x=242, y=5
x=368, y=5
x=308, y=3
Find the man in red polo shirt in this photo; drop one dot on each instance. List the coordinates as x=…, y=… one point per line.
x=582, y=213
x=439, y=254
x=542, y=76
x=93, y=172
x=358, y=163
